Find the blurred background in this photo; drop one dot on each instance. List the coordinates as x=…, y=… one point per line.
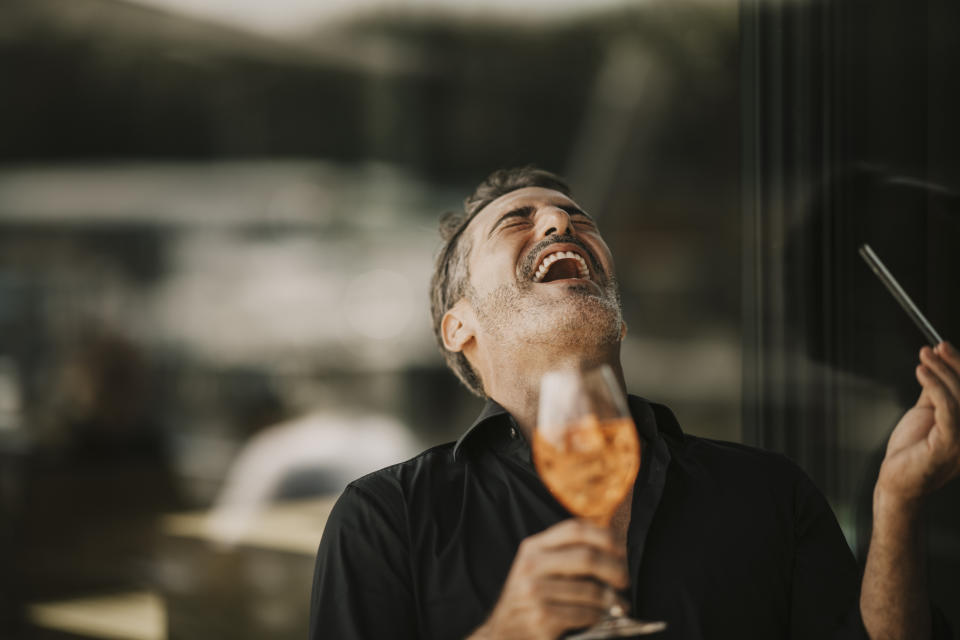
x=218, y=223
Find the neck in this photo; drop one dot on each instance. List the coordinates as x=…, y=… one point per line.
x=516, y=385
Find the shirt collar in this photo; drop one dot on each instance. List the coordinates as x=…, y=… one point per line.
x=651, y=419
x=490, y=412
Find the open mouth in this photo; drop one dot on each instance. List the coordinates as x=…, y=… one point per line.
x=561, y=265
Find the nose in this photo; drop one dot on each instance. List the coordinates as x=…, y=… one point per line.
x=553, y=221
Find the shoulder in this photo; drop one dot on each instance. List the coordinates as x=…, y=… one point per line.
x=730, y=458
x=392, y=488
x=735, y=453
x=426, y=466
x=722, y=451
x=740, y=467
x=768, y=494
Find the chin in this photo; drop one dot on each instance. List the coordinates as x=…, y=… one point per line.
x=581, y=315
x=579, y=321
x=590, y=320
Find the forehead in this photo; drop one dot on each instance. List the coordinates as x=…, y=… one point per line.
x=526, y=197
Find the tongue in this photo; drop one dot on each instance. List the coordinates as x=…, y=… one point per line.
x=563, y=268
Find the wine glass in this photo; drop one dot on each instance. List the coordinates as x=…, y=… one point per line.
x=586, y=450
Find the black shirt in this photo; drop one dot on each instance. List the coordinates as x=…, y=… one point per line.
x=724, y=540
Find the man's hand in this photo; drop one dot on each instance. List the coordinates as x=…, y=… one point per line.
x=923, y=455
x=557, y=583
x=924, y=451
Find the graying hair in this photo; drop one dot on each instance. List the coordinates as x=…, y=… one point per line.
x=451, y=275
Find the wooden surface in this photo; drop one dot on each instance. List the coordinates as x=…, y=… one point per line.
x=294, y=526
x=139, y=615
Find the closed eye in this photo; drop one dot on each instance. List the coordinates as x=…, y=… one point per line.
x=583, y=221
x=519, y=215
x=524, y=222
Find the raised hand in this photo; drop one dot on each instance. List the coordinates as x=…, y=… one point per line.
x=923, y=453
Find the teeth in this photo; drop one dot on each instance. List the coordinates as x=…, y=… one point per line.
x=560, y=255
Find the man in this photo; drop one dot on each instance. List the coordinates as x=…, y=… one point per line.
x=718, y=539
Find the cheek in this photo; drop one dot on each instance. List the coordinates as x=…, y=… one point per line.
x=604, y=256
x=483, y=277
x=492, y=270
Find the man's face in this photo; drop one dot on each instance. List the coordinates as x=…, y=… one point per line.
x=540, y=271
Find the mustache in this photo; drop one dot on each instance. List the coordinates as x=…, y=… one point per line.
x=528, y=265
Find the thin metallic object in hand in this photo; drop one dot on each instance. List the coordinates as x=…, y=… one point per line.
x=900, y=295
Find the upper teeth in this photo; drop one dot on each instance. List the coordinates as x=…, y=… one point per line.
x=560, y=255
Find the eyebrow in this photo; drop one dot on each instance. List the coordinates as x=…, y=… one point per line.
x=528, y=210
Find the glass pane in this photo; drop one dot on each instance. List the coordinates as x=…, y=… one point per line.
x=849, y=138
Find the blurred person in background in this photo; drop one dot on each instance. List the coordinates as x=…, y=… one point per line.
x=314, y=454
x=717, y=538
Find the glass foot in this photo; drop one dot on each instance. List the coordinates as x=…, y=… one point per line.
x=618, y=627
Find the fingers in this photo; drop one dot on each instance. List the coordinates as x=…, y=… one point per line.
x=564, y=617
x=924, y=450
x=575, y=548
x=578, y=592
x=575, y=532
x=559, y=581
x=583, y=561
x=950, y=355
x=933, y=387
x=937, y=361
x=945, y=404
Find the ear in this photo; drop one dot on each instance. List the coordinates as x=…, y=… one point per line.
x=456, y=327
x=623, y=330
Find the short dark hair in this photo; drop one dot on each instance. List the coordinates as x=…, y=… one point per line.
x=451, y=277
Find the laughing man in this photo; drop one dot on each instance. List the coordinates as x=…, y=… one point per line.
x=718, y=539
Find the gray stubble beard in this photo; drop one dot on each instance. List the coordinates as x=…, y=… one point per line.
x=580, y=319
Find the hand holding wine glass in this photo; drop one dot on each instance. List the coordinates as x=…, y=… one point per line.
x=564, y=577
x=555, y=583
x=587, y=452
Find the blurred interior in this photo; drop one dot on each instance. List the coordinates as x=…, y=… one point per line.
x=218, y=223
